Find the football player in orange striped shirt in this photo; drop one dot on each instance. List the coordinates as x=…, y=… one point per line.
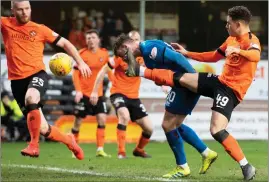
x=241, y=51
x=24, y=42
x=95, y=57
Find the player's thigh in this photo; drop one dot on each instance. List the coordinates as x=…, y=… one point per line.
x=190, y=81
x=19, y=89
x=207, y=84
x=119, y=102
x=181, y=101
x=145, y=123
x=38, y=86
x=137, y=109
x=82, y=107
x=100, y=107
x=224, y=100
x=100, y=111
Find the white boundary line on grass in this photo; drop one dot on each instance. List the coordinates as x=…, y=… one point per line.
x=63, y=170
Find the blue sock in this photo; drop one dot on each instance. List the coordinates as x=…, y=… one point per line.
x=191, y=138
x=176, y=144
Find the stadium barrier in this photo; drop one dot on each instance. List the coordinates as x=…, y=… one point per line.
x=88, y=129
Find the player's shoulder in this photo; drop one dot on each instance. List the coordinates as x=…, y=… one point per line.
x=253, y=37
x=83, y=50
x=230, y=39
x=6, y=20
x=104, y=51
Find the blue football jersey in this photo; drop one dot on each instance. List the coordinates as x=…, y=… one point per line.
x=160, y=55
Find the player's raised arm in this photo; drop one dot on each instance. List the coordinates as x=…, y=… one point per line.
x=212, y=56
x=72, y=51
x=99, y=78
x=76, y=82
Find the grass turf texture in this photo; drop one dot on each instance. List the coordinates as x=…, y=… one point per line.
x=55, y=163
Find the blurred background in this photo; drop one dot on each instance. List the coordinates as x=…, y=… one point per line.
x=198, y=25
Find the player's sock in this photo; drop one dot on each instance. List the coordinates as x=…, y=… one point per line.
x=191, y=138
x=33, y=123
x=176, y=144
x=143, y=141
x=159, y=76
x=76, y=134
x=231, y=146
x=54, y=134
x=100, y=136
x=121, y=137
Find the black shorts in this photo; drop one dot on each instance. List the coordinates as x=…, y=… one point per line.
x=136, y=109
x=19, y=88
x=224, y=97
x=84, y=107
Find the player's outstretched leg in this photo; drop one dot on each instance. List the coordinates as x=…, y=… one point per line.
x=53, y=133
x=175, y=142
x=147, y=127
x=208, y=156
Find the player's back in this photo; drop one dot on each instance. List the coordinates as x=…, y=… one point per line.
x=156, y=52
x=96, y=61
x=128, y=86
x=24, y=46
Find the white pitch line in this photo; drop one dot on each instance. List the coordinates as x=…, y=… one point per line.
x=62, y=170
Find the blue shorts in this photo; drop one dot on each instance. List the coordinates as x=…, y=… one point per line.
x=181, y=101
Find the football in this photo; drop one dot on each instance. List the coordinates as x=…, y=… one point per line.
x=60, y=64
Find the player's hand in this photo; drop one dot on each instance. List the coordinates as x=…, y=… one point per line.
x=94, y=98
x=84, y=69
x=78, y=96
x=231, y=50
x=165, y=89
x=179, y=48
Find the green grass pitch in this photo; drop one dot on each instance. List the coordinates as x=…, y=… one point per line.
x=55, y=163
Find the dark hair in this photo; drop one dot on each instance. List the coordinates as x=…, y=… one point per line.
x=92, y=31
x=240, y=13
x=121, y=39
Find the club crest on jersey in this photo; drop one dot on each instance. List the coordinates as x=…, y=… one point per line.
x=32, y=33
x=153, y=53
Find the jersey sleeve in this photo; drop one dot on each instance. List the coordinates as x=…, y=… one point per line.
x=49, y=35
x=222, y=48
x=153, y=49
x=255, y=44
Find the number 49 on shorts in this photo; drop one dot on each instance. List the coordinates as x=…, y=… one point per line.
x=221, y=101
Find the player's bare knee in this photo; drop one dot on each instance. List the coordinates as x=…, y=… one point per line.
x=101, y=119
x=77, y=123
x=123, y=118
x=167, y=126
x=29, y=100
x=32, y=96
x=220, y=136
